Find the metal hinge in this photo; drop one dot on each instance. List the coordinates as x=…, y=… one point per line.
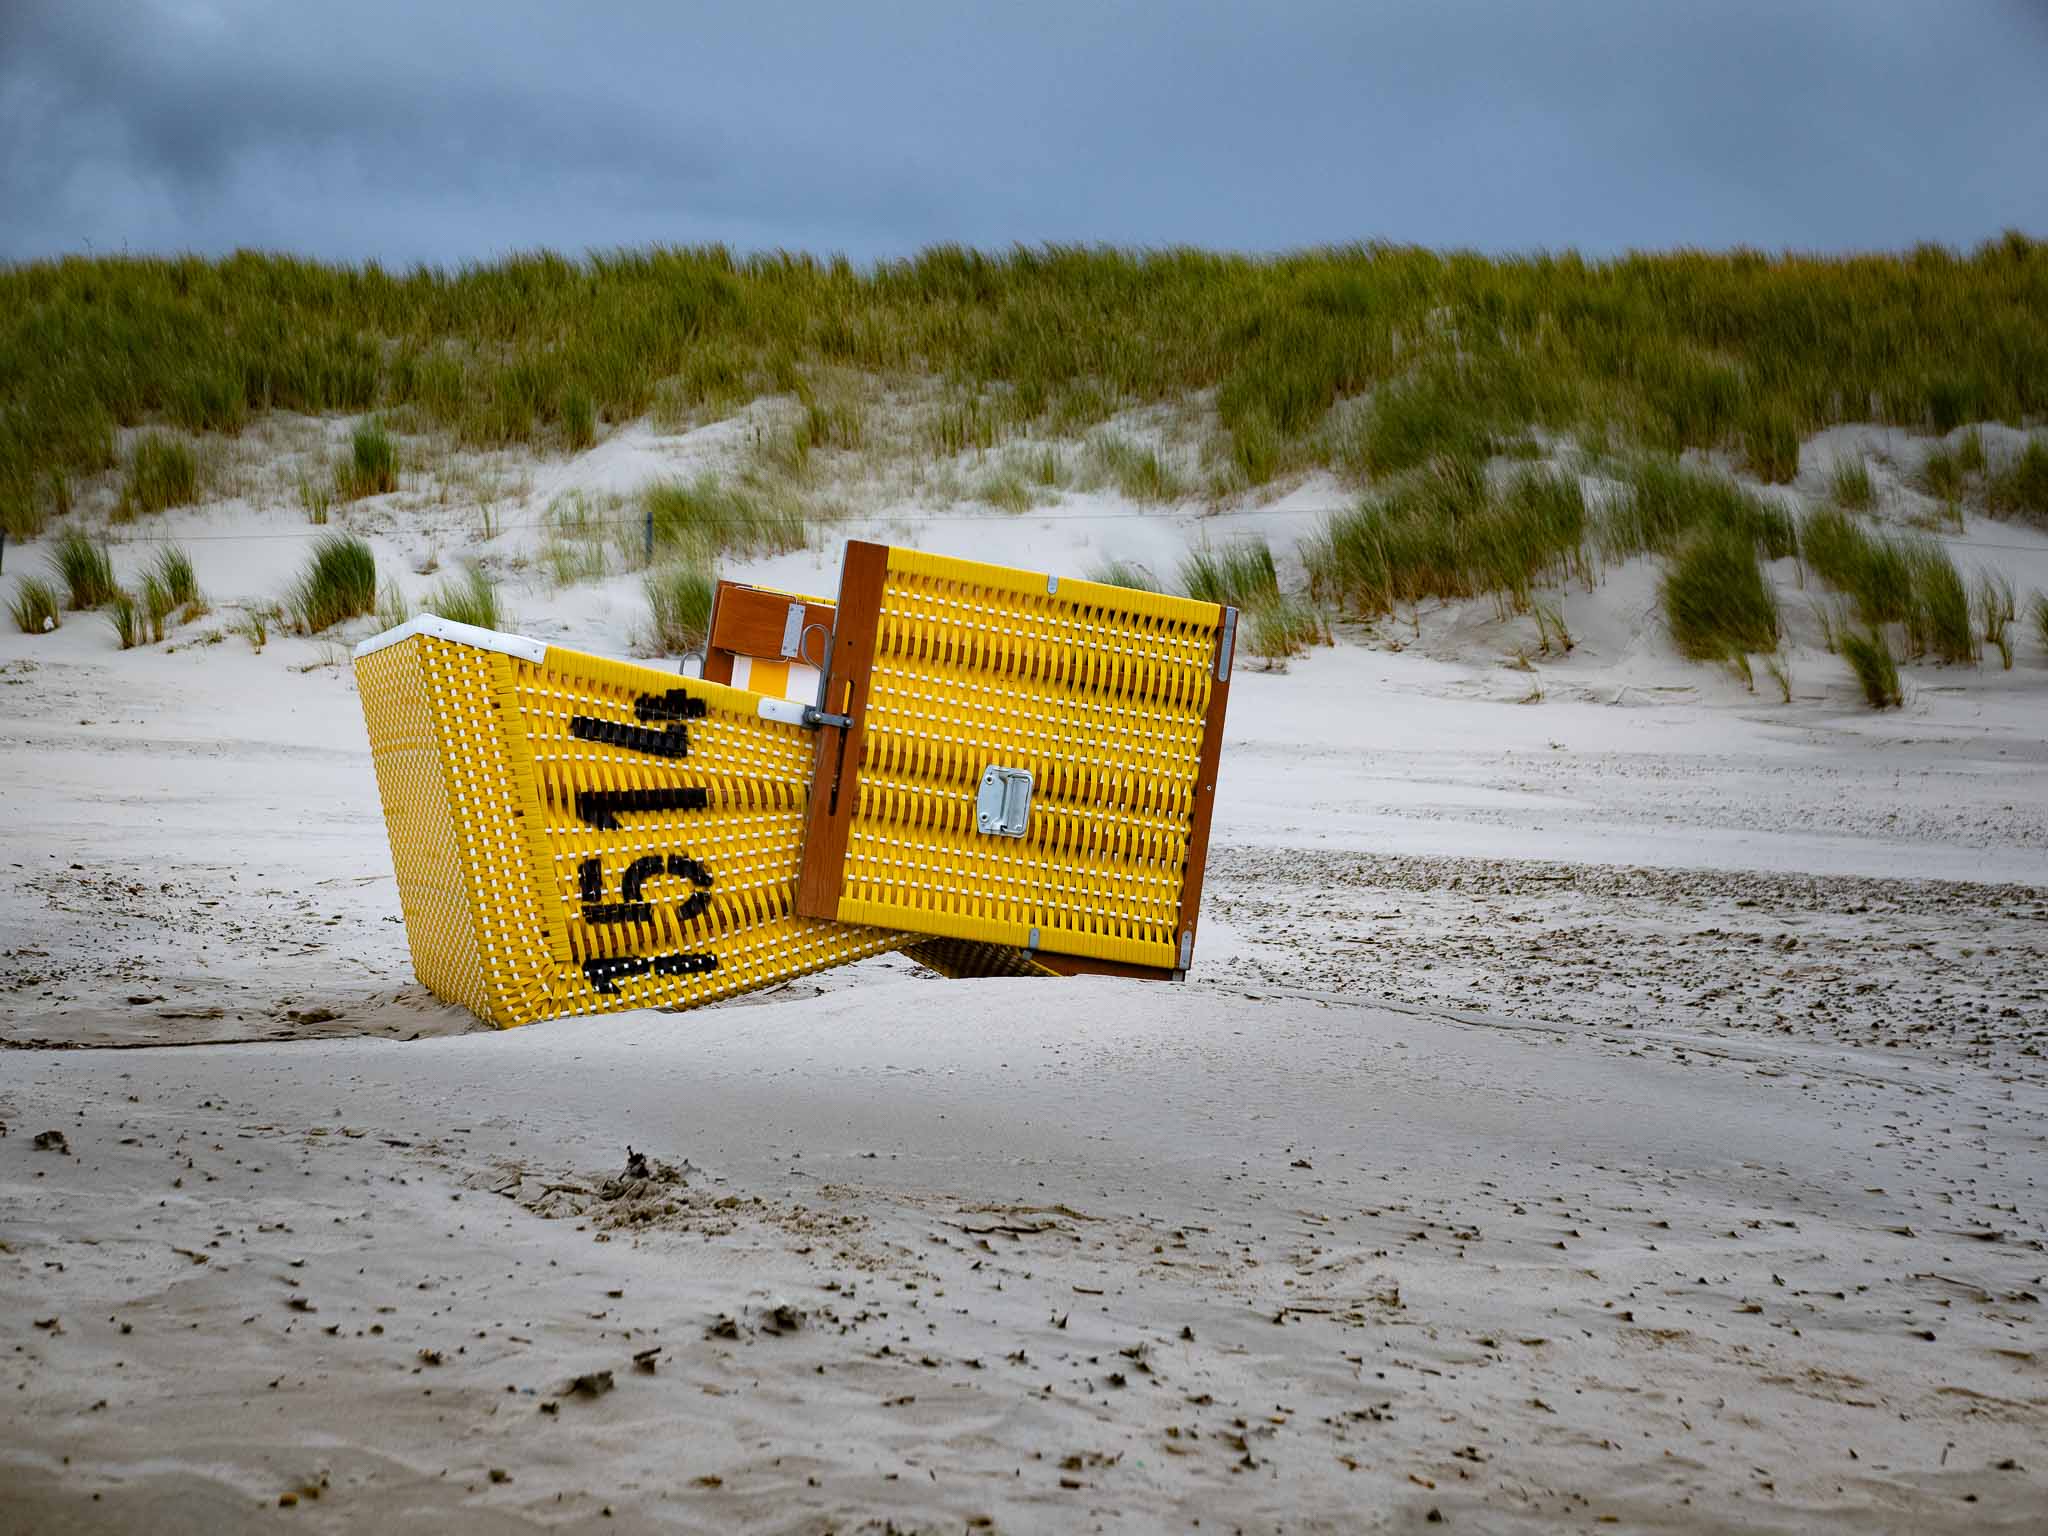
x=792, y=712
x=1002, y=805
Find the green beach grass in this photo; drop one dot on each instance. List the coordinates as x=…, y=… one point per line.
x=339, y=582
x=1370, y=359
x=679, y=597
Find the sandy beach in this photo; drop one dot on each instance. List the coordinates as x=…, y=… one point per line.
x=1605, y=1096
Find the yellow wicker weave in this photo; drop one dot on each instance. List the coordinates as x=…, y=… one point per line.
x=573, y=835
x=1103, y=694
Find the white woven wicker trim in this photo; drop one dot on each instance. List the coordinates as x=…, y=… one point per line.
x=785, y=711
x=457, y=634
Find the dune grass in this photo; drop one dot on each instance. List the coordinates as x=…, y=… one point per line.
x=1780, y=672
x=1913, y=582
x=679, y=596
x=1239, y=574
x=1970, y=452
x=1872, y=663
x=1716, y=601
x=1941, y=475
x=1136, y=470
x=162, y=473
x=579, y=420
x=1833, y=544
x=1735, y=352
x=317, y=499
x=1552, y=633
x=1006, y=490
x=1044, y=467
x=2018, y=488
x=172, y=570
x=35, y=606
x=967, y=425
x=781, y=454
x=130, y=620
x=705, y=518
x=157, y=604
x=1254, y=449
x=1770, y=443
x=1710, y=532
x=1940, y=620
x=2037, y=611
x=1278, y=625
x=835, y=422
x=85, y=568
x=1666, y=503
x=1444, y=409
x=471, y=598
x=1447, y=533
x=1117, y=572
x=580, y=529
x=371, y=468
x=1877, y=572
x=569, y=561
x=1996, y=609
x=1537, y=532
x=339, y=582
x=1273, y=624
x=1849, y=485
x=392, y=608
x=254, y=626
x=1406, y=366
x=1883, y=583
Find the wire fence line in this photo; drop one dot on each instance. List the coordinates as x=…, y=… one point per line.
x=581, y=525
x=638, y=524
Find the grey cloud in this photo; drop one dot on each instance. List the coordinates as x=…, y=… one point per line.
x=452, y=132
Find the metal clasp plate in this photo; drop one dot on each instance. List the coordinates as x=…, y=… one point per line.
x=1002, y=805
x=1226, y=645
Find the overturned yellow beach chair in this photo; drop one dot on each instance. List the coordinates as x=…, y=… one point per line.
x=1015, y=774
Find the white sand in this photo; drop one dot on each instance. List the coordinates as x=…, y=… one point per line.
x=1582, y=1108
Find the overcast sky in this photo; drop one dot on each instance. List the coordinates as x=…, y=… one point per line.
x=456, y=130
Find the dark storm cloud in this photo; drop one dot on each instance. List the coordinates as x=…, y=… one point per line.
x=449, y=132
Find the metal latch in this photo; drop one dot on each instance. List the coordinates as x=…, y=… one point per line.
x=793, y=632
x=1002, y=806
x=794, y=712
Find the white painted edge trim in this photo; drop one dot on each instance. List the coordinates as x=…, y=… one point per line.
x=786, y=711
x=456, y=634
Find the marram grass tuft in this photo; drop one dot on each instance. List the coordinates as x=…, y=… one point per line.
x=339, y=582
x=35, y=606
x=679, y=598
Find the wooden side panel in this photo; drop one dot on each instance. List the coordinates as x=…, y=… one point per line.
x=835, y=773
x=749, y=621
x=1082, y=965
x=717, y=663
x=1205, y=794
